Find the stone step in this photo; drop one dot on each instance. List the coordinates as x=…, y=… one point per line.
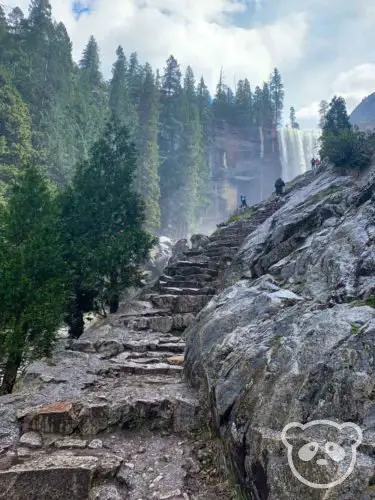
x=144, y=345
x=144, y=464
x=201, y=277
x=174, y=283
x=190, y=271
x=151, y=355
x=162, y=324
x=183, y=291
x=219, y=252
x=187, y=263
x=227, y=243
x=179, y=303
x=145, y=366
x=132, y=403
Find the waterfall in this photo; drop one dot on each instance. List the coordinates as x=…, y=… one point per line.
x=297, y=147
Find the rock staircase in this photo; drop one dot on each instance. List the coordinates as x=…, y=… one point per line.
x=112, y=418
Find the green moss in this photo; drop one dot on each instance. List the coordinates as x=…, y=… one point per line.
x=238, y=217
x=370, y=301
x=321, y=195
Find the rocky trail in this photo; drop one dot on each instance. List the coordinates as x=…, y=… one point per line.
x=112, y=416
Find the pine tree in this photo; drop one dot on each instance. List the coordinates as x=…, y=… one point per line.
x=147, y=175
x=205, y=112
x=277, y=96
x=244, y=103
x=32, y=275
x=336, y=119
x=15, y=19
x=323, y=108
x=258, y=106
x=292, y=116
x=170, y=133
x=119, y=98
x=92, y=100
x=267, y=107
x=90, y=64
x=102, y=220
x=15, y=133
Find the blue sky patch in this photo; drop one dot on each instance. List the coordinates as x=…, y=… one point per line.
x=80, y=7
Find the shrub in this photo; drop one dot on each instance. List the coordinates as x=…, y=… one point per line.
x=349, y=149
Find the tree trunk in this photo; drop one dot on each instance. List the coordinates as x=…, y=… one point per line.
x=10, y=373
x=114, y=303
x=76, y=324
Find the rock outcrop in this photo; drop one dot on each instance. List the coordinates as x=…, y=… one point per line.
x=290, y=340
x=271, y=316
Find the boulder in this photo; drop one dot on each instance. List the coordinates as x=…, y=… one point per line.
x=199, y=241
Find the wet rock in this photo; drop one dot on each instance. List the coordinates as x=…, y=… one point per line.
x=71, y=443
x=95, y=444
x=55, y=477
x=105, y=493
x=31, y=440
x=199, y=241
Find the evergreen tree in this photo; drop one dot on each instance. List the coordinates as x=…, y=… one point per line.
x=292, y=116
x=147, y=176
x=170, y=133
x=267, y=107
x=277, y=96
x=90, y=64
x=92, y=100
x=32, y=275
x=323, y=108
x=119, y=94
x=220, y=104
x=15, y=20
x=15, y=133
x=102, y=220
x=336, y=119
x=258, y=106
x=244, y=103
x=205, y=111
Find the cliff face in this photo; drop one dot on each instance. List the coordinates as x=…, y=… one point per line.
x=243, y=161
x=364, y=114
x=290, y=340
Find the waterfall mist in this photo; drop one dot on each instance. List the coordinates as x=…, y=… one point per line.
x=297, y=147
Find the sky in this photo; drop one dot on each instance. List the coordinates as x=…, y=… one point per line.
x=321, y=48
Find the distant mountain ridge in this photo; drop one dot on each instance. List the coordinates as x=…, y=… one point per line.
x=364, y=114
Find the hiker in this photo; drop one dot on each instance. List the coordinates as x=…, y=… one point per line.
x=279, y=185
x=313, y=164
x=243, y=201
x=317, y=163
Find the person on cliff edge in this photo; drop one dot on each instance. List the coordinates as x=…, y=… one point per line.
x=243, y=201
x=279, y=186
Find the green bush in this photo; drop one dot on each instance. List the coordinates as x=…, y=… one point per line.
x=349, y=149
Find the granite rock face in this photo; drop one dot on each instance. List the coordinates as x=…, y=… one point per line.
x=290, y=340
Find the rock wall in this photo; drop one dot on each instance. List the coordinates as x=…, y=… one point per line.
x=291, y=340
x=243, y=161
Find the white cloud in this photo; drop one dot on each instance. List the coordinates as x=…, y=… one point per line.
x=309, y=112
x=355, y=84
x=197, y=32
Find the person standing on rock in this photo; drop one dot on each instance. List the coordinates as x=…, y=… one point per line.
x=279, y=185
x=313, y=164
x=243, y=201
